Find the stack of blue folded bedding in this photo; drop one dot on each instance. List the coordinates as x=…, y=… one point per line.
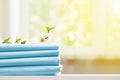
x=29, y=60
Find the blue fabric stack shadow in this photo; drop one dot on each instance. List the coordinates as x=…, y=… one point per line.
x=29, y=60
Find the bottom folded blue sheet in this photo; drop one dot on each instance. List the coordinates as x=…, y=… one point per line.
x=30, y=70
x=29, y=74
x=33, y=74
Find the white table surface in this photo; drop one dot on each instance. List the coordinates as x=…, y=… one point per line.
x=65, y=77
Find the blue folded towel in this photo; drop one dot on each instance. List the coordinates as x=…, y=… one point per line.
x=30, y=70
x=27, y=47
x=37, y=61
x=28, y=54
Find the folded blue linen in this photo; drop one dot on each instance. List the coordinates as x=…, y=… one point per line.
x=37, y=61
x=29, y=74
x=28, y=54
x=27, y=47
x=30, y=70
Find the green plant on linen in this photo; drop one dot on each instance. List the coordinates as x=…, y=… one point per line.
x=44, y=38
x=18, y=41
x=48, y=28
x=7, y=41
x=23, y=42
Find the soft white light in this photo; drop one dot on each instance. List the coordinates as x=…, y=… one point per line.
x=116, y=7
x=58, y=39
x=35, y=19
x=14, y=18
x=71, y=36
x=81, y=25
x=73, y=16
x=1, y=41
x=79, y=33
x=114, y=25
x=89, y=36
x=79, y=1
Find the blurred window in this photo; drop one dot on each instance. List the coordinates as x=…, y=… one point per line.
x=84, y=28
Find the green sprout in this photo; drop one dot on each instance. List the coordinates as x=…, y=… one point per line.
x=48, y=28
x=23, y=42
x=18, y=40
x=7, y=41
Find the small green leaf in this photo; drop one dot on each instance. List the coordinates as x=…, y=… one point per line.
x=49, y=28
x=7, y=41
x=18, y=40
x=23, y=42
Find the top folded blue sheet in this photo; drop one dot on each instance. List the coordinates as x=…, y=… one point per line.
x=27, y=47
